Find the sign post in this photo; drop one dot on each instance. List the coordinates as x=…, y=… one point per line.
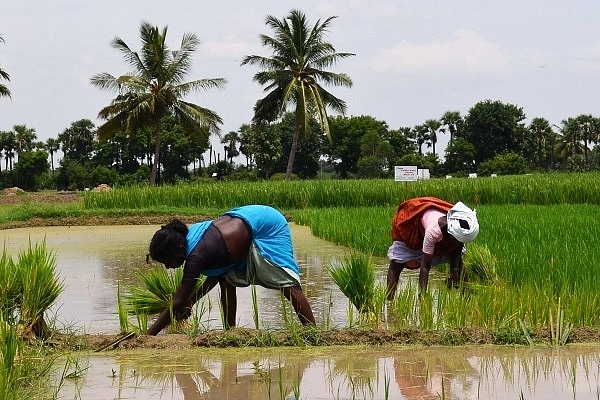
x=405, y=173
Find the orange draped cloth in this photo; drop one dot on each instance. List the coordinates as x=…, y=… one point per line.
x=407, y=226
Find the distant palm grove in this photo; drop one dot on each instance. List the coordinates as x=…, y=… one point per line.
x=151, y=135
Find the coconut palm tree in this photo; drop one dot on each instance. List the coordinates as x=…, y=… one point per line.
x=155, y=89
x=52, y=146
x=4, y=91
x=294, y=73
x=571, y=139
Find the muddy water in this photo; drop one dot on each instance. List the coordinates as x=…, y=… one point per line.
x=95, y=261
x=500, y=373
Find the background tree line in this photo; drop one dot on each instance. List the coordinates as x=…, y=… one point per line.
x=152, y=134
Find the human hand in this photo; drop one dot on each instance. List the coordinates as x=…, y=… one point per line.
x=183, y=313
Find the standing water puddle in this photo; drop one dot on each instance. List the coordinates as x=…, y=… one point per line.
x=95, y=261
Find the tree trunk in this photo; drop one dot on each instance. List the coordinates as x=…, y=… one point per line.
x=290, y=164
x=157, y=137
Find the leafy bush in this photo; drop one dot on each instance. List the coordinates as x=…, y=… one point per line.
x=503, y=164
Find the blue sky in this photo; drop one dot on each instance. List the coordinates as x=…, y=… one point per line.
x=414, y=59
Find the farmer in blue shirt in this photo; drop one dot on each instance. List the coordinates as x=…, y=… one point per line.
x=246, y=245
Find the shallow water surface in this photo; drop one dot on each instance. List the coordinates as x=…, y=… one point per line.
x=94, y=261
x=487, y=372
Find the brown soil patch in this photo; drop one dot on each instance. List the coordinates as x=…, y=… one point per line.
x=244, y=337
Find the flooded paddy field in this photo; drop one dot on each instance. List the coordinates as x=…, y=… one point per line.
x=94, y=262
x=483, y=372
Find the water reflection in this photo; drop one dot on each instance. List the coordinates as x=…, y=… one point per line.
x=487, y=372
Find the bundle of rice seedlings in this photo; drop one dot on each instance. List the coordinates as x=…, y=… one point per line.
x=158, y=287
x=11, y=288
x=355, y=277
x=40, y=287
x=481, y=265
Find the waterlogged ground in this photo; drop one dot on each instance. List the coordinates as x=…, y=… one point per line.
x=483, y=372
x=95, y=261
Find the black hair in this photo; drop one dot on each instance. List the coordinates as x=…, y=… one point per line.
x=463, y=224
x=169, y=241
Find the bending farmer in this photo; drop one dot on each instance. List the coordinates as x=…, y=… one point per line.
x=248, y=244
x=428, y=231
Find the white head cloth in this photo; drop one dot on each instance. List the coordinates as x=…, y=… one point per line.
x=462, y=212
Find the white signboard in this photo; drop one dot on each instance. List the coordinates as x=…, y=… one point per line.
x=405, y=173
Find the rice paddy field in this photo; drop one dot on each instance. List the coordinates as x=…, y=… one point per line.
x=541, y=233
x=533, y=267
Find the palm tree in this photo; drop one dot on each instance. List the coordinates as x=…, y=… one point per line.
x=52, y=145
x=155, y=89
x=541, y=131
x=4, y=91
x=231, y=141
x=432, y=126
x=24, y=138
x=419, y=134
x=451, y=121
x=571, y=139
x=292, y=74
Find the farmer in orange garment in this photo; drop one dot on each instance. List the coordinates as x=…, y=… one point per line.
x=429, y=231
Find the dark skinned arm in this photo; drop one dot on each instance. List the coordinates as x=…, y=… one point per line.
x=456, y=268
x=426, y=261
x=185, y=297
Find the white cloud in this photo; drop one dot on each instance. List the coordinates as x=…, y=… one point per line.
x=464, y=52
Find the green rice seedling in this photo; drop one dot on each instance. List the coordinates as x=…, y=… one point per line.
x=480, y=265
x=526, y=333
x=254, y=306
x=24, y=369
x=386, y=386
x=356, y=279
x=11, y=347
x=41, y=287
x=155, y=295
x=122, y=311
x=326, y=321
x=196, y=325
x=426, y=314
x=402, y=310
x=11, y=287
x=561, y=332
